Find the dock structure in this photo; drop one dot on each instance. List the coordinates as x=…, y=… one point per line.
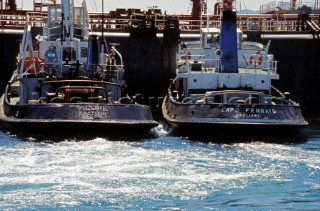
x=292, y=7
x=148, y=41
x=288, y=17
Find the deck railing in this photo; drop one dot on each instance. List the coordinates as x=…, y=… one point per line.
x=263, y=23
x=300, y=6
x=270, y=66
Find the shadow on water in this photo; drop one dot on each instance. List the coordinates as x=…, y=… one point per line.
x=231, y=138
x=311, y=133
x=81, y=136
x=313, y=130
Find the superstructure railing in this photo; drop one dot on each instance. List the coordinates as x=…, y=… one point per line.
x=258, y=22
x=246, y=62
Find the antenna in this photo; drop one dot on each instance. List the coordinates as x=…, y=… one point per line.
x=102, y=19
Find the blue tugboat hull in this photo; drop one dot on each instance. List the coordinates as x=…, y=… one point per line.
x=232, y=118
x=76, y=117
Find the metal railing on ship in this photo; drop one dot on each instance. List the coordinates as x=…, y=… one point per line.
x=269, y=66
x=263, y=23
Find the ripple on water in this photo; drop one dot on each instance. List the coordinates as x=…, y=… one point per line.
x=158, y=172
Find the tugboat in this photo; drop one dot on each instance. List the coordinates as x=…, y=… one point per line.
x=67, y=80
x=222, y=94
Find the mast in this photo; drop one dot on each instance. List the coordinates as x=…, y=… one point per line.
x=102, y=42
x=102, y=30
x=67, y=19
x=228, y=38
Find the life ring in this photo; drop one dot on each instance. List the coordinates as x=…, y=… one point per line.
x=189, y=55
x=256, y=59
x=27, y=66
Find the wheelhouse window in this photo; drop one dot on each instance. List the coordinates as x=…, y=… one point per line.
x=83, y=52
x=69, y=54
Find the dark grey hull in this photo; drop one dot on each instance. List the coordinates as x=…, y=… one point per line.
x=233, y=118
x=78, y=117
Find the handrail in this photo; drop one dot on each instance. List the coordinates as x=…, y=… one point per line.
x=259, y=22
x=269, y=66
x=71, y=82
x=286, y=6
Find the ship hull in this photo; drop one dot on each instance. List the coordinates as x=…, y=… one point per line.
x=232, y=118
x=76, y=117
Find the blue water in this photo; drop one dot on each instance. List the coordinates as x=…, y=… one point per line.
x=162, y=170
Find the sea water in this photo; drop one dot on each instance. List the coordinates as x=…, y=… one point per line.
x=162, y=170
